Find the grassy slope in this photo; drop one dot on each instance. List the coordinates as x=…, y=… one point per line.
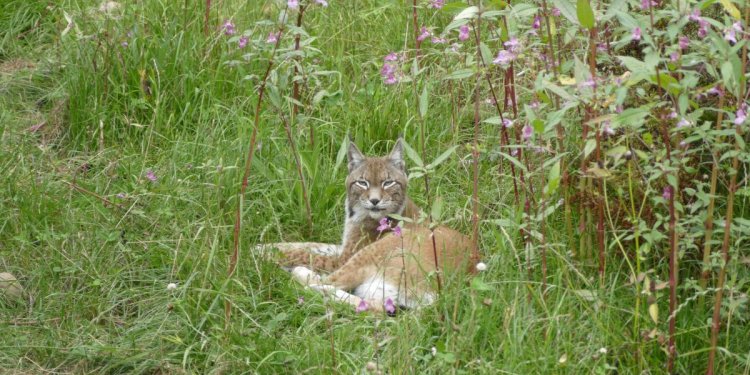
x=98, y=273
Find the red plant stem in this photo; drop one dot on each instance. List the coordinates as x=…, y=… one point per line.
x=415, y=25
x=475, y=148
x=206, y=16
x=246, y=174
x=716, y=318
x=295, y=80
x=709, y=224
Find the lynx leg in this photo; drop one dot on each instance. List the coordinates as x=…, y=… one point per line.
x=306, y=276
x=311, y=247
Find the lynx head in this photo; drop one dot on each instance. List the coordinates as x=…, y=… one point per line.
x=376, y=186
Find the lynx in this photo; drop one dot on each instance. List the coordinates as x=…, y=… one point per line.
x=375, y=263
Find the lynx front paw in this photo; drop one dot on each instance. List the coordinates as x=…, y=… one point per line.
x=305, y=276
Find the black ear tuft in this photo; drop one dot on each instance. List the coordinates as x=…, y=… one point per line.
x=354, y=156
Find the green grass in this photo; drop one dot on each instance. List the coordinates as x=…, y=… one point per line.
x=98, y=272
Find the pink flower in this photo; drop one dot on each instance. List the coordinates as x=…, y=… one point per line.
x=228, y=27
x=636, y=34
x=607, y=128
x=527, y=132
x=513, y=45
x=292, y=4
x=389, y=73
x=362, y=306
x=437, y=4
x=121, y=195
x=423, y=34
x=645, y=4
x=556, y=12
x=322, y=2
x=695, y=15
x=674, y=56
x=507, y=123
x=730, y=34
x=389, y=307
x=438, y=40
x=300, y=300
x=667, y=193
x=463, y=32
x=683, y=123
x=151, y=175
x=740, y=115
x=242, y=43
x=684, y=41
x=672, y=114
x=273, y=37
x=384, y=225
x=393, y=56
x=589, y=83
x=397, y=231
x=504, y=58
x=537, y=22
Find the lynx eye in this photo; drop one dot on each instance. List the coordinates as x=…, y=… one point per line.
x=362, y=183
x=388, y=183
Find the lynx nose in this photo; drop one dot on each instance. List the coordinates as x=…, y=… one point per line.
x=374, y=201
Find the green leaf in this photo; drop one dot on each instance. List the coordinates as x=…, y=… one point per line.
x=460, y=74
x=590, y=146
x=469, y=12
x=478, y=284
x=424, y=101
x=731, y=9
x=441, y=158
x=494, y=120
x=553, y=180
x=585, y=13
x=342, y=152
x=436, y=211
x=515, y=161
x=568, y=10
x=412, y=154
x=486, y=54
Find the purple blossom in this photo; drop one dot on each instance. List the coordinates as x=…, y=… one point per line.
x=674, y=56
x=589, y=83
x=362, y=306
x=397, y=231
x=636, y=34
x=537, y=22
x=121, y=195
x=124, y=43
x=300, y=300
x=437, y=4
x=527, y=132
x=695, y=15
x=322, y=2
x=684, y=41
x=151, y=175
x=504, y=57
x=683, y=123
x=389, y=306
x=556, y=12
x=607, y=128
x=513, y=45
x=667, y=193
x=242, y=43
x=716, y=90
x=273, y=37
x=383, y=225
x=740, y=115
x=507, y=122
x=292, y=4
x=393, y=56
x=463, y=32
x=438, y=40
x=228, y=27
x=672, y=114
x=514, y=152
x=424, y=34
x=730, y=34
x=389, y=73
x=645, y=4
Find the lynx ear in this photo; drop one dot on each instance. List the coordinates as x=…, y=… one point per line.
x=354, y=156
x=397, y=155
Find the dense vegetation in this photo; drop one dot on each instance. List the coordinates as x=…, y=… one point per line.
x=595, y=149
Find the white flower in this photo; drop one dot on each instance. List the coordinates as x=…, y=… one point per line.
x=433, y=351
x=171, y=286
x=481, y=266
x=603, y=350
